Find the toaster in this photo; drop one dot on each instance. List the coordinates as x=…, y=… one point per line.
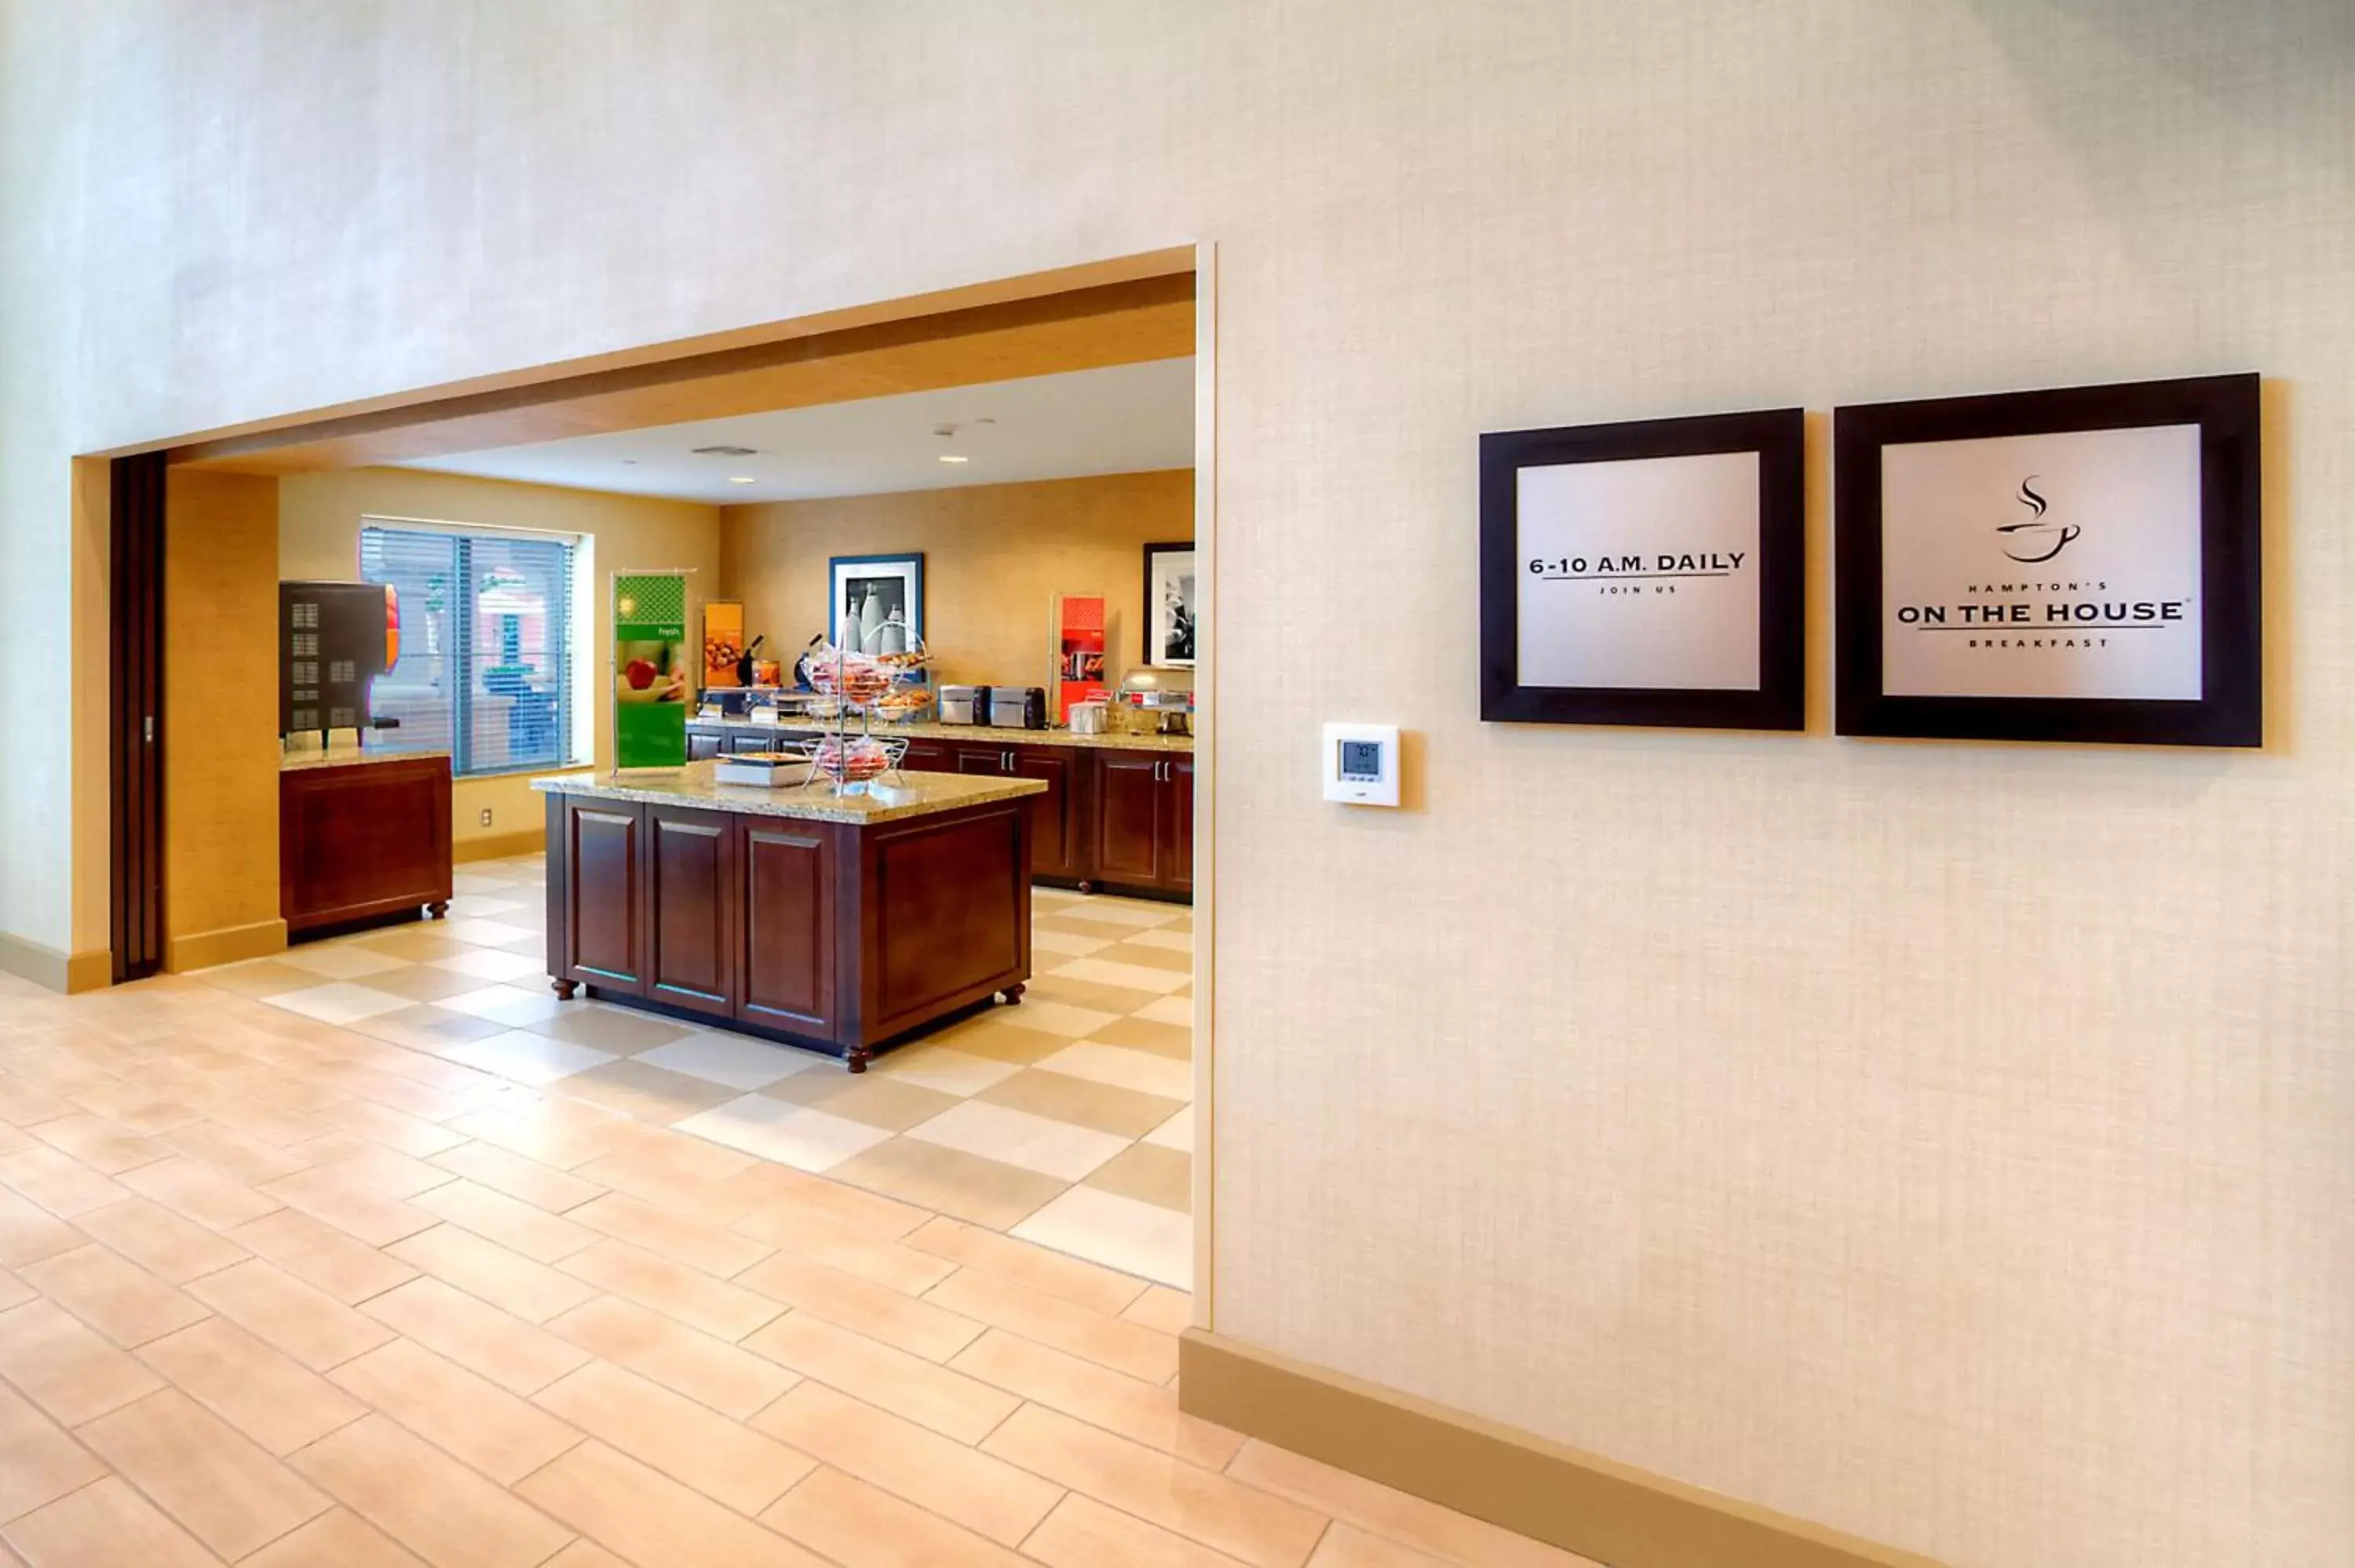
x=1017, y=707
x=965, y=705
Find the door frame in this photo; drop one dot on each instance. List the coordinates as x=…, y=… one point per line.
x=135, y=509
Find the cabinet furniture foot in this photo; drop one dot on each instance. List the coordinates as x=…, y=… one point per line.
x=1086, y=885
x=563, y=989
x=437, y=910
x=858, y=1058
x=1013, y=995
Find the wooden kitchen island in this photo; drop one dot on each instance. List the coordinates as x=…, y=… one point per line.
x=840, y=923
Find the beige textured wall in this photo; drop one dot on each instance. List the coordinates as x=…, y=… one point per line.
x=1949, y=1143
x=221, y=715
x=995, y=557
x=319, y=537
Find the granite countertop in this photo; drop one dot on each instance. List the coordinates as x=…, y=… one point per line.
x=348, y=757
x=692, y=786
x=930, y=729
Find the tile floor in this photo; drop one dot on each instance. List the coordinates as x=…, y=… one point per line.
x=281, y=1292
x=1066, y=1121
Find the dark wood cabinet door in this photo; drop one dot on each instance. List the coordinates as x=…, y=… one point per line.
x=701, y=747
x=691, y=895
x=1057, y=838
x=604, y=893
x=929, y=756
x=789, y=927
x=1130, y=800
x=1177, y=821
x=989, y=760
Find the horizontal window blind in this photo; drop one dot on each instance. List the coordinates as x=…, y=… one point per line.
x=485, y=667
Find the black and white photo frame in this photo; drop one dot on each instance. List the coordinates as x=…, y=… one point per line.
x=1646, y=573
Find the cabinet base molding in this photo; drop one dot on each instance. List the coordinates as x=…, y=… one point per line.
x=68, y=973
x=228, y=945
x=1581, y=1502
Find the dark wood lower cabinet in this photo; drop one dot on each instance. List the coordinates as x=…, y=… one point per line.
x=605, y=910
x=789, y=927
x=1178, y=844
x=358, y=840
x=1130, y=804
x=691, y=886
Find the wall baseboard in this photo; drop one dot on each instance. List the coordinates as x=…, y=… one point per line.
x=1581, y=1502
x=228, y=945
x=498, y=846
x=69, y=973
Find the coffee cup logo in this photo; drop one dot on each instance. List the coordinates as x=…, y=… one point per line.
x=2033, y=538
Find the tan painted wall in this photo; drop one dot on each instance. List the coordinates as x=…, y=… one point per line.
x=220, y=719
x=320, y=537
x=995, y=557
x=1946, y=1142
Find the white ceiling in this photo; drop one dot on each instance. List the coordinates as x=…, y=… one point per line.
x=1123, y=419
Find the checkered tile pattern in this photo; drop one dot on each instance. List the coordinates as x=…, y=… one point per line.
x=1066, y=1121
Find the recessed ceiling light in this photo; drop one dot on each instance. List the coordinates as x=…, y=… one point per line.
x=951, y=457
x=741, y=479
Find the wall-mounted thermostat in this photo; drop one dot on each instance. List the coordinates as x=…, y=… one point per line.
x=1361, y=764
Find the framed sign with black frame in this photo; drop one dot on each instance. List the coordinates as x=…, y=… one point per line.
x=2073, y=565
x=1650, y=572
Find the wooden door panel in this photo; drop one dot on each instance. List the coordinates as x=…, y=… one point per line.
x=789, y=927
x=1177, y=864
x=692, y=883
x=1129, y=805
x=603, y=888
x=136, y=715
x=989, y=761
x=947, y=911
x=1056, y=844
x=927, y=756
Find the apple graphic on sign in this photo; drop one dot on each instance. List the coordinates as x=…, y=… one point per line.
x=641, y=674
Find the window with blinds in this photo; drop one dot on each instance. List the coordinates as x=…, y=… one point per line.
x=485, y=667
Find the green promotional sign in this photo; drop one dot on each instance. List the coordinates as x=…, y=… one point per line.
x=651, y=670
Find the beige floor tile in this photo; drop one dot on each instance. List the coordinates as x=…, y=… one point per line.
x=28, y=1232
x=317, y=1252
x=1091, y=996
x=950, y=1181
x=1082, y=1283
x=38, y=1463
x=1171, y=1040
x=1062, y=1150
x=543, y=1133
x=1141, y=1070
x=66, y=1367
x=14, y=1292
x=614, y=1029
x=515, y=1224
x=542, y=1186
x=259, y=978
x=583, y=1554
x=104, y=1146
x=660, y=1155
x=1345, y=1546
x=222, y=1488
x=1169, y=1311
x=26, y=1104
x=464, y=1415
x=237, y=1155
x=992, y=1039
x=402, y=1131
x=716, y=1252
x=428, y=1501
x=1392, y=1514
x=343, y=1199
x=113, y=1294
x=1061, y=1097
x=730, y=1380
x=688, y=1442
x=1084, y=1533
x=197, y=1190
x=1196, y=1503
x=337, y=1538
x=422, y=982
x=649, y=1519
x=426, y=1027
x=304, y=1322
x=133, y=1103
x=920, y=1327
x=1142, y=1412
x=864, y=1527
x=870, y=1098
x=649, y=1093
x=1162, y=1177
x=1121, y=1232
x=275, y=1401
x=970, y=1487
x=696, y=1299
x=1050, y=1320
x=884, y=1376
x=507, y=1280
x=936, y=1066
x=57, y=1182
x=766, y=1189
x=1143, y=951
x=168, y=1246
x=105, y=1525
x=518, y=1356
x=794, y=1228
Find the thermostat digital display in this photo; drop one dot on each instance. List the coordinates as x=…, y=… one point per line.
x=1361, y=764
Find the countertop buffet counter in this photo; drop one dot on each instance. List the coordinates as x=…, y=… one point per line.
x=840, y=923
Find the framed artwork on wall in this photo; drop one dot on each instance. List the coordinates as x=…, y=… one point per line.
x=1169, y=606
x=2073, y=565
x=878, y=603
x=1651, y=573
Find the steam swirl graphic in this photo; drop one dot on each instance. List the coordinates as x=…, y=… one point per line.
x=2034, y=526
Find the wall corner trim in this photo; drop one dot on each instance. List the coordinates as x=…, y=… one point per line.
x=69, y=973
x=1581, y=1502
x=228, y=945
